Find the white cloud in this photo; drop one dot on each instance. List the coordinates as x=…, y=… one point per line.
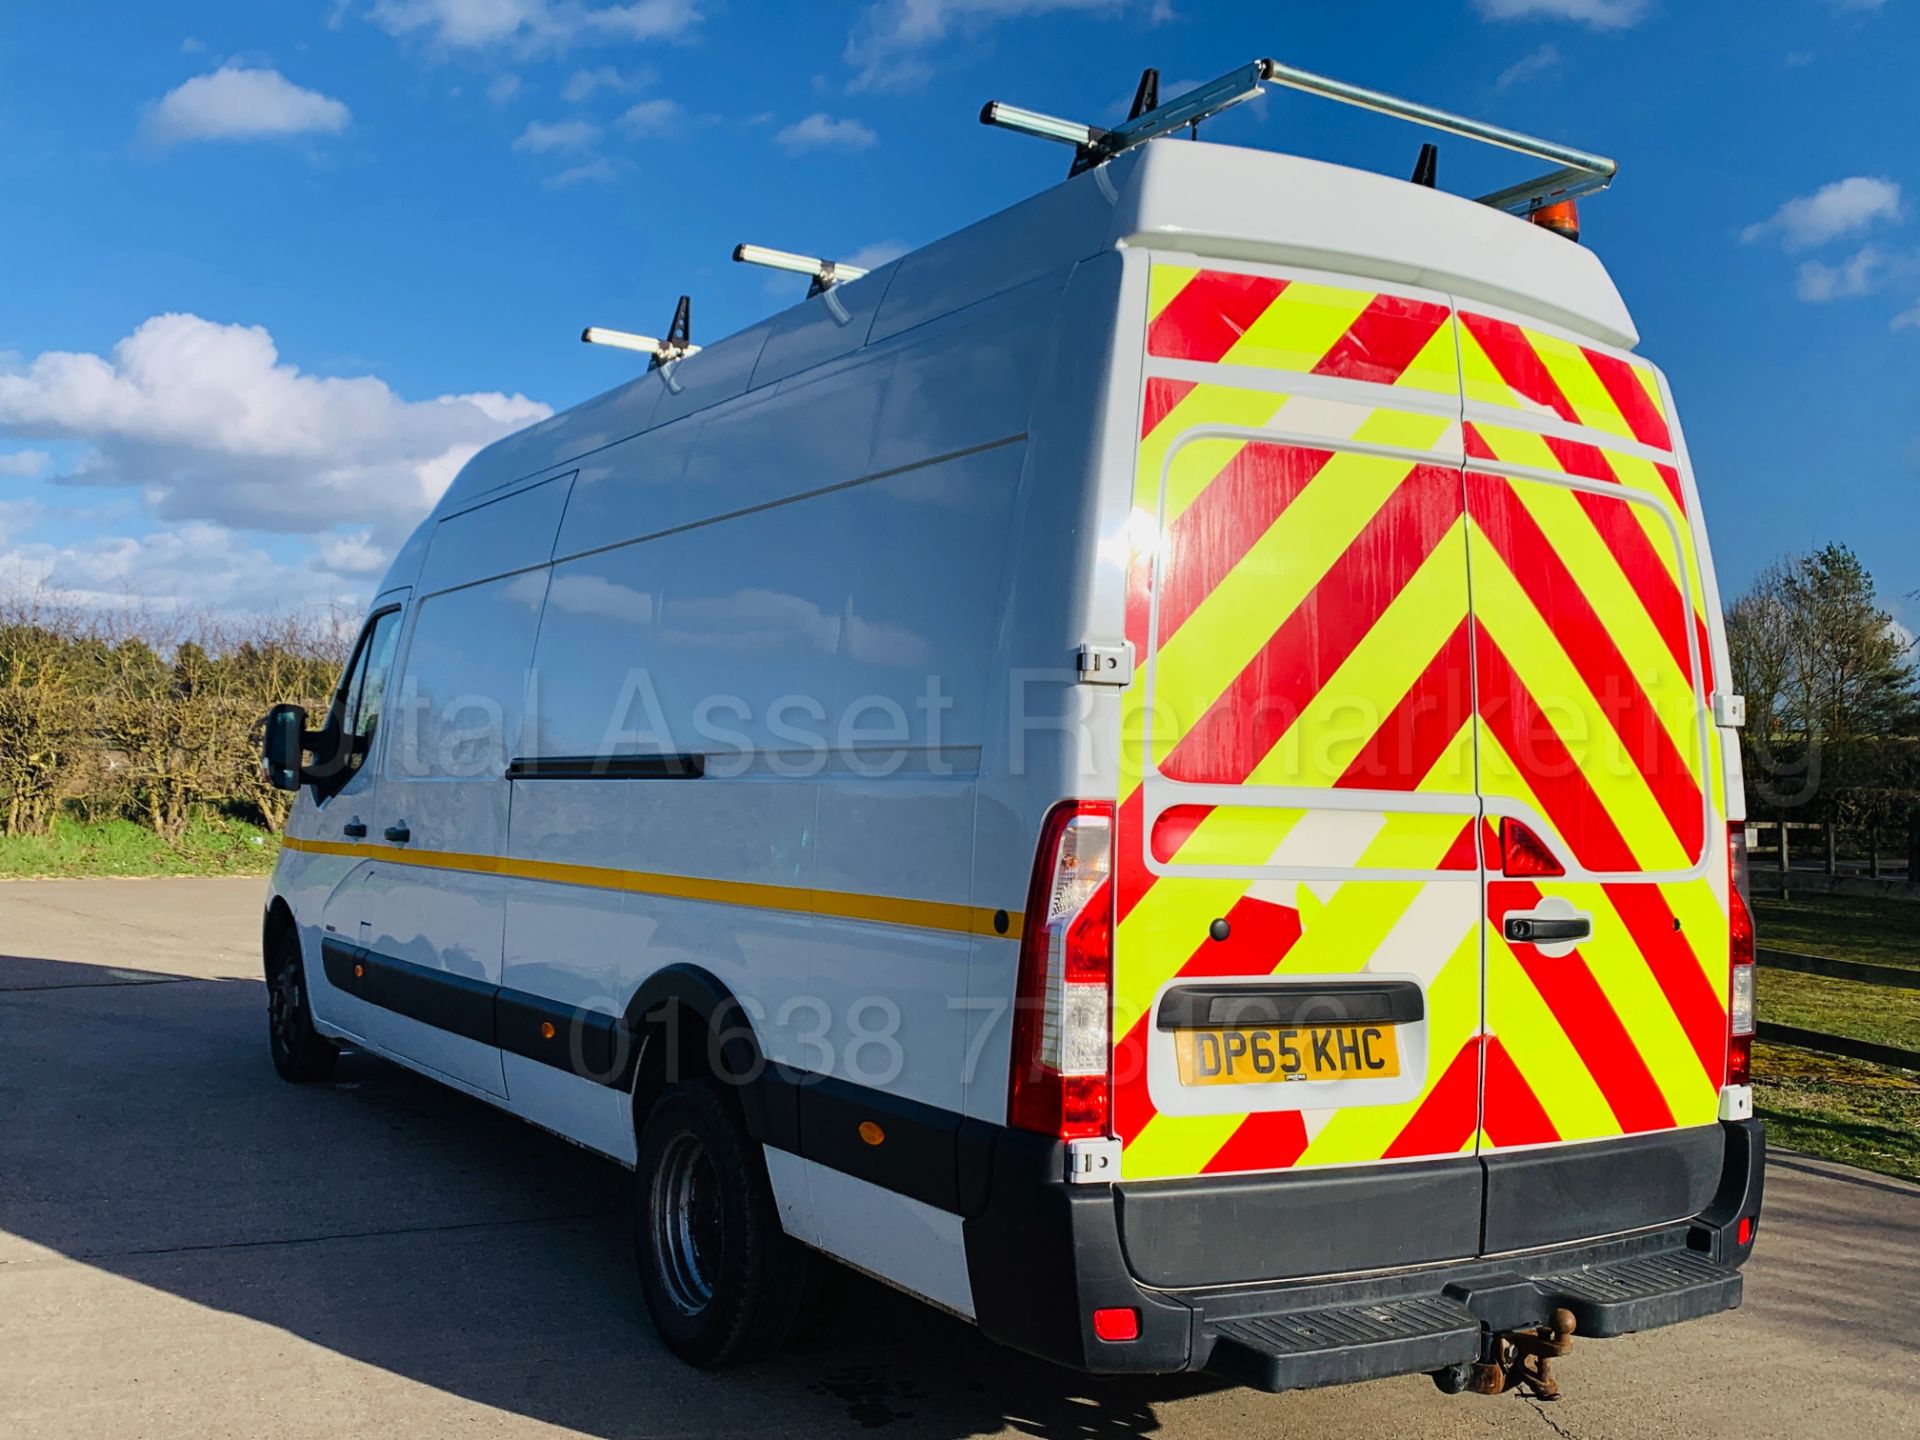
x=1600, y=14
x=207, y=423
x=192, y=567
x=1845, y=207
x=543, y=137
x=652, y=117
x=1537, y=61
x=24, y=464
x=582, y=84
x=534, y=24
x=503, y=88
x=234, y=103
x=15, y=516
x=592, y=172
x=192, y=45
x=354, y=553
x=1908, y=319
x=889, y=41
x=819, y=132
x=1851, y=278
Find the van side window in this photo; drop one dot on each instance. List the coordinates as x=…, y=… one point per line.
x=362, y=690
x=381, y=643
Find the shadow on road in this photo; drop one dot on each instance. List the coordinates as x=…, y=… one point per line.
x=410, y=1228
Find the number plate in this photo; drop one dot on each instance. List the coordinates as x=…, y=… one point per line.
x=1262, y=1055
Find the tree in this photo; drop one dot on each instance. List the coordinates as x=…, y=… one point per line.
x=1850, y=661
x=1830, y=692
x=44, y=722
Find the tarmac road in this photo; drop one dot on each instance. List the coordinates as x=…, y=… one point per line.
x=189, y=1247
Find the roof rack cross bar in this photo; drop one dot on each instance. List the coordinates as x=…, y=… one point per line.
x=825, y=273
x=1176, y=114
x=677, y=346
x=1531, y=195
x=1033, y=122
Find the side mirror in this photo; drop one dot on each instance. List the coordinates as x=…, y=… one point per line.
x=282, y=749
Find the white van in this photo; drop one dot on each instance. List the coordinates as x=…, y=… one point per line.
x=1152, y=773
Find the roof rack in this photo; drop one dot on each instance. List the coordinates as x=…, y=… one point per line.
x=826, y=273
x=1580, y=173
x=677, y=346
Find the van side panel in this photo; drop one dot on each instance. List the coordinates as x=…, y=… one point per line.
x=801, y=589
x=1063, y=582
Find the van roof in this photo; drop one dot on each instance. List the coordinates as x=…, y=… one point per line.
x=1220, y=201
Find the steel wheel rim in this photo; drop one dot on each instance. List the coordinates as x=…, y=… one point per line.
x=686, y=1226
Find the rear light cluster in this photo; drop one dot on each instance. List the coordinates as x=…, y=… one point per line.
x=1740, y=1006
x=1062, y=1022
x=1524, y=853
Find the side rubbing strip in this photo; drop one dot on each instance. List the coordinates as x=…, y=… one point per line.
x=889, y=1140
x=455, y=1003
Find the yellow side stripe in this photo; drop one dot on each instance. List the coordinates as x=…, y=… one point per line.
x=797, y=899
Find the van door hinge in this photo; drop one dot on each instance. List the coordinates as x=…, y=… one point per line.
x=1105, y=664
x=1729, y=710
x=1093, y=1162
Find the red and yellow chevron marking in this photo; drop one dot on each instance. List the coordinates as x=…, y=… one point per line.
x=1577, y=679
x=1302, y=613
x=1651, y=554
x=1519, y=368
x=1220, y=317
x=1588, y=715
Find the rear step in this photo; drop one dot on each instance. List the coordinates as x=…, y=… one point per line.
x=1405, y=1334
x=1332, y=1347
x=1643, y=1293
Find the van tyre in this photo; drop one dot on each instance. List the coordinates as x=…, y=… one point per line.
x=722, y=1280
x=300, y=1053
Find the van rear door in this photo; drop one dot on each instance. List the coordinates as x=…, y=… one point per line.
x=1421, y=858
x=1298, y=952
x=1592, y=666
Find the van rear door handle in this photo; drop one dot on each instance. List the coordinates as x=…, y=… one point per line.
x=354, y=829
x=1547, y=929
x=398, y=833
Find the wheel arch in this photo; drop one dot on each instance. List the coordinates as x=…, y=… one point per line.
x=685, y=1023
x=278, y=921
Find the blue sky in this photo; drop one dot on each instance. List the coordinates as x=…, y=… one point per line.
x=272, y=270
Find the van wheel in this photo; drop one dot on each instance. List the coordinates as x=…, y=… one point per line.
x=722, y=1280
x=300, y=1053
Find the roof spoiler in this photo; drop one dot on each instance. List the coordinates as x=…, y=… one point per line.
x=1578, y=172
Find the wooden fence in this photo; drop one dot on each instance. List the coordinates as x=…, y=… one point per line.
x=1845, y=1046
x=1835, y=859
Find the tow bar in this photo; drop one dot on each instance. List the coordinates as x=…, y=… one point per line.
x=1523, y=1359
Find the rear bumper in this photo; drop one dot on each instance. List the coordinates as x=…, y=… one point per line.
x=1044, y=1255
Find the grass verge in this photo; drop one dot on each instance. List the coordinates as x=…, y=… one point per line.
x=212, y=845
x=1841, y=1007
x=1845, y=1110
x=1863, y=1115
x=1843, y=927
